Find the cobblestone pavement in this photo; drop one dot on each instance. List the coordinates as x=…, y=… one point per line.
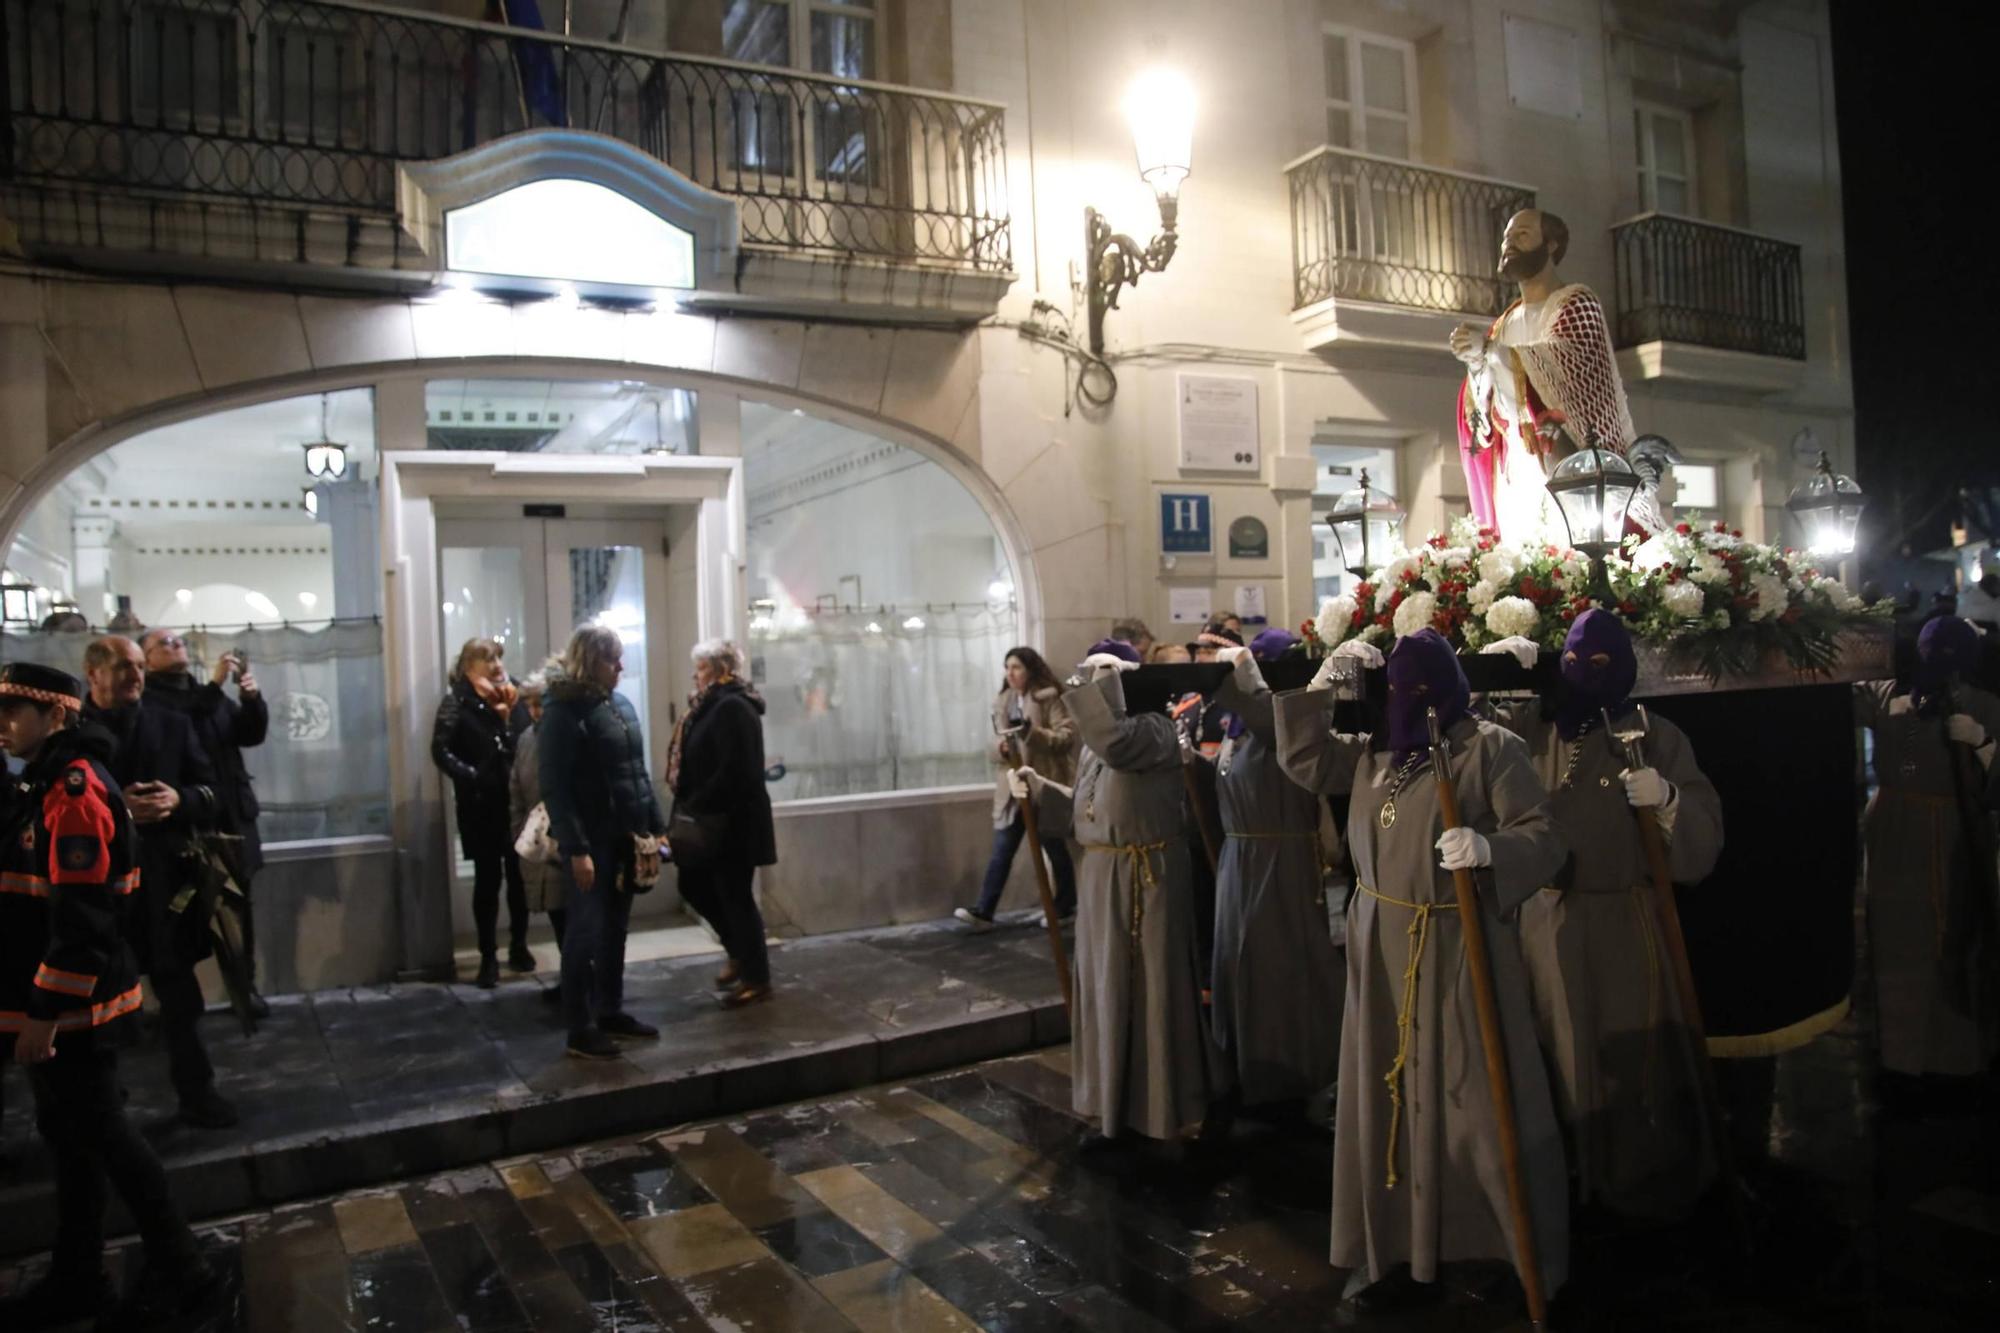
x=961, y=1201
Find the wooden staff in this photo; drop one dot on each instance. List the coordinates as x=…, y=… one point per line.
x=1049, y=917
x=1473, y=927
x=1199, y=809
x=1667, y=915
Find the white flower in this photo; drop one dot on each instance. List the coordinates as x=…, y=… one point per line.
x=1499, y=565
x=1834, y=593
x=1336, y=614
x=1481, y=594
x=1709, y=569
x=1372, y=633
x=1415, y=613
x=1390, y=577
x=1652, y=553
x=1684, y=599
x=1719, y=618
x=1721, y=541
x=1511, y=616
x=1770, y=594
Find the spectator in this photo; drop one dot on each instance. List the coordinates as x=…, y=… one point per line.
x=68, y=983
x=1215, y=636
x=1169, y=654
x=717, y=773
x=226, y=728
x=170, y=789
x=473, y=742
x=605, y=816
x=1033, y=728
x=546, y=885
x=1133, y=630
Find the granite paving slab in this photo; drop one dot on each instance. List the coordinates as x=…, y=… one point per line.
x=343, y=1089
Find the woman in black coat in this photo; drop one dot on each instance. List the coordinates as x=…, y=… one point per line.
x=473, y=742
x=717, y=773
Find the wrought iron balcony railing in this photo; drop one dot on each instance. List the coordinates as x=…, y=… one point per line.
x=311, y=104
x=1694, y=282
x=1368, y=228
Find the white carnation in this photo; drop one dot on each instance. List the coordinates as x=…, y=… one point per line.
x=1684, y=599
x=1390, y=577
x=1499, y=565
x=1416, y=612
x=1771, y=596
x=1335, y=615
x=1835, y=594
x=1481, y=594
x=1709, y=569
x=1652, y=553
x=1511, y=616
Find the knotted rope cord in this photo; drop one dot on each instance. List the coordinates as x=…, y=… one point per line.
x=1141, y=856
x=1419, y=935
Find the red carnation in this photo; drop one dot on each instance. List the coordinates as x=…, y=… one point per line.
x=1683, y=529
x=1385, y=620
x=1435, y=541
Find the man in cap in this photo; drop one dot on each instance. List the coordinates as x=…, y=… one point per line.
x=1418, y=1173
x=1929, y=922
x=1277, y=978
x=1609, y=1015
x=67, y=987
x=1143, y=1058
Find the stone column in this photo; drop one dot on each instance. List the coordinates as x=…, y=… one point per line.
x=348, y=509
x=93, y=536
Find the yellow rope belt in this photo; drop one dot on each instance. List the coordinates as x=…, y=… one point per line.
x=1419, y=932
x=1141, y=855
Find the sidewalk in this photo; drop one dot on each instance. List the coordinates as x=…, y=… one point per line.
x=356, y=1087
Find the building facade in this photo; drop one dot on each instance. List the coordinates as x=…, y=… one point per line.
x=768, y=319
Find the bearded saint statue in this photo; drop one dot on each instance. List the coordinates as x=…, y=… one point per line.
x=1540, y=383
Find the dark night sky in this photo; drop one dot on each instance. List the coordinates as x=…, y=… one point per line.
x=1917, y=92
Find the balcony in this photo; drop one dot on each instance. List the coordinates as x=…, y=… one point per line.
x=1390, y=254
x=1697, y=301
x=238, y=132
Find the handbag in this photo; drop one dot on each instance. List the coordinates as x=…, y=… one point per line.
x=535, y=844
x=695, y=840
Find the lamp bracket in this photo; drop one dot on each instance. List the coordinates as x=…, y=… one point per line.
x=1117, y=262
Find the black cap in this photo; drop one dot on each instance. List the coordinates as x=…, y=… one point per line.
x=43, y=684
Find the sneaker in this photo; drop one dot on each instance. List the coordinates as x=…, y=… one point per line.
x=973, y=919
x=590, y=1044
x=54, y=1302
x=489, y=973
x=521, y=958
x=628, y=1027
x=208, y=1109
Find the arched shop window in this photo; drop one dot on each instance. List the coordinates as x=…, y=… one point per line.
x=250, y=529
x=881, y=606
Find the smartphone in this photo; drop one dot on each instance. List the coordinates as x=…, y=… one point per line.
x=242, y=656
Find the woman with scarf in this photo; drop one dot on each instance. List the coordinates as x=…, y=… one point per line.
x=1609, y=1015
x=717, y=775
x=1031, y=727
x=1930, y=926
x=1418, y=1175
x=473, y=742
x=1277, y=978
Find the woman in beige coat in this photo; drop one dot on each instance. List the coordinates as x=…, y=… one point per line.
x=1032, y=727
x=547, y=886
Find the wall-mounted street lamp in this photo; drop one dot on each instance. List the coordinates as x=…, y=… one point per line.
x=1828, y=506
x=1160, y=109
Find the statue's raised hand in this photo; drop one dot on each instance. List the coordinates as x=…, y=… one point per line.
x=1468, y=343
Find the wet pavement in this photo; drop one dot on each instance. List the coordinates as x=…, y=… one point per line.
x=963, y=1201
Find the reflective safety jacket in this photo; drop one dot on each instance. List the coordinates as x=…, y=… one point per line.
x=68, y=866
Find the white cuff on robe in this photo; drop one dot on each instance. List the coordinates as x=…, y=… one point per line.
x=1670, y=811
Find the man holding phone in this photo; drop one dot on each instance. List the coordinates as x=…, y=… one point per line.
x=170, y=788
x=225, y=727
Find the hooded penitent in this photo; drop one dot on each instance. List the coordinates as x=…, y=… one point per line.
x=1599, y=670
x=1273, y=644
x=1423, y=674
x=1946, y=647
x=1118, y=648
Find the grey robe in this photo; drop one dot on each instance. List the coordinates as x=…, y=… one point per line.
x=1451, y=1201
x=1277, y=978
x=1605, y=999
x=1915, y=852
x=1143, y=1058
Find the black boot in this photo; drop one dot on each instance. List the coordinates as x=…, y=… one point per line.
x=521, y=958
x=489, y=973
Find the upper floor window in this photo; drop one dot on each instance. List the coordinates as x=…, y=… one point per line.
x=1371, y=92
x=824, y=36
x=1666, y=159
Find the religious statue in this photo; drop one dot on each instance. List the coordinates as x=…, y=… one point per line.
x=1539, y=383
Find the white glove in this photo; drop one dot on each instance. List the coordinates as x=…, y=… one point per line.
x=1900, y=705
x=1099, y=663
x=1965, y=729
x=1525, y=651
x=1645, y=789
x=1243, y=667
x=1019, y=781
x=1462, y=849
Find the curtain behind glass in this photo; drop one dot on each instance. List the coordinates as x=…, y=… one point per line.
x=853, y=711
x=323, y=771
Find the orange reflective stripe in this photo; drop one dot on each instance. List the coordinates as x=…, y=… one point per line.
x=65, y=983
x=125, y=883
x=14, y=881
x=75, y=1020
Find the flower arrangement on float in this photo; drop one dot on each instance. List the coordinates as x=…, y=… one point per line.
x=1724, y=600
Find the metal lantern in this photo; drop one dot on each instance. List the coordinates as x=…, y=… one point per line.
x=1160, y=111
x=1593, y=488
x=1827, y=506
x=1367, y=524
x=326, y=460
